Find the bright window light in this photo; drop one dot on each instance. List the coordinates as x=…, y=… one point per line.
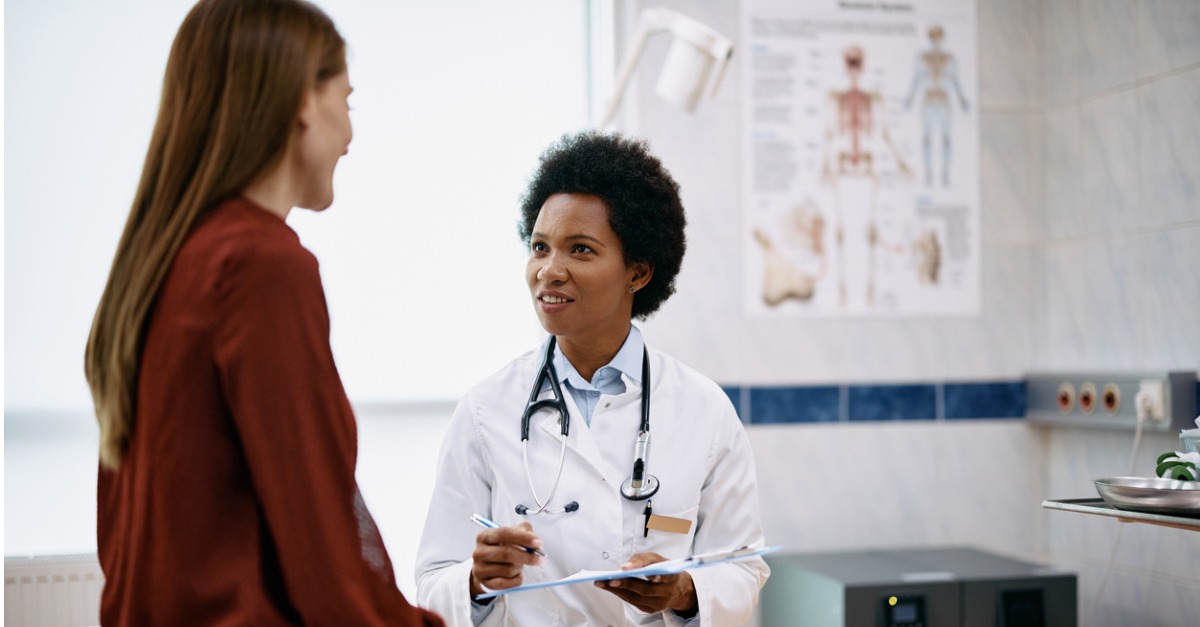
x=423, y=270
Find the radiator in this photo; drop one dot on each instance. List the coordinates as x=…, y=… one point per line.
x=52, y=590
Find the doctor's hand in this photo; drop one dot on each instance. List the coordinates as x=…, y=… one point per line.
x=498, y=559
x=661, y=592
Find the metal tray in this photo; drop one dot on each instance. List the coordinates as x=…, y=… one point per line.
x=1143, y=494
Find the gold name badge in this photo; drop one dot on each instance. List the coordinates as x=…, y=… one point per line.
x=668, y=524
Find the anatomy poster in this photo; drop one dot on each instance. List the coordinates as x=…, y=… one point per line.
x=861, y=155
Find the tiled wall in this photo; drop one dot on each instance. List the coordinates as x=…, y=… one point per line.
x=868, y=433
x=800, y=404
x=1117, y=270
x=1090, y=174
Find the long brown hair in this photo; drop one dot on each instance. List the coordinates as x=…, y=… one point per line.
x=236, y=77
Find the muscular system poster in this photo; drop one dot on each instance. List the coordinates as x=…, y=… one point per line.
x=861, y=148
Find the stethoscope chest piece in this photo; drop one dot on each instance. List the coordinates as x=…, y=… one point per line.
x=647, y=489
x=641, y=484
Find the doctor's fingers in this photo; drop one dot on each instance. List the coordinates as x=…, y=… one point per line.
x=503, y=555
x=659, y=586
x=499, y=571
x=639, y=560
x=498, y=582
x=640, y=594
x=521, y=534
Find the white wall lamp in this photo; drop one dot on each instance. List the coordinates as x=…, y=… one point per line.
x=695, y=62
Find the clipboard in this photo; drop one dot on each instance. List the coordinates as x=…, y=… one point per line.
x=669, y=567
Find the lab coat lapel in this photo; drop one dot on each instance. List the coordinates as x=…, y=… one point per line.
x=580, y=440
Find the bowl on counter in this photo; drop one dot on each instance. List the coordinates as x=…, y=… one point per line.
x=1154, y=495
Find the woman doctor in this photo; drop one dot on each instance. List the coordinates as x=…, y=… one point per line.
x=605, y=229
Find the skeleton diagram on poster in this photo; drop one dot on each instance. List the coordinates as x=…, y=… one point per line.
x=861, y=152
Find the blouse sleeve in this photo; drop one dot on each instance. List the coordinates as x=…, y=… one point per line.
x=297, y=431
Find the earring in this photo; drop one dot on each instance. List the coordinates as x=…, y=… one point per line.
x=632, y=289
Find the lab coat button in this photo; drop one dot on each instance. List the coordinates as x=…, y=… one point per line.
x=604, y=555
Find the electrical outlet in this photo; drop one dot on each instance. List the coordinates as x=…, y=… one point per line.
x=1066, y=397
x=1112, y=398
x=1151, y=401
x=1087, y=397
x=1158, y=401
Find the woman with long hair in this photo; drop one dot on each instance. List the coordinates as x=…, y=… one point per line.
x=226, y=490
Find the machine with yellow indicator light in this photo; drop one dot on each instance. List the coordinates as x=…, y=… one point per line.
x=934, y=587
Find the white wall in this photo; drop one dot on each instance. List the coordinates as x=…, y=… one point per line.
x=1089, y=166
x=1115, y=268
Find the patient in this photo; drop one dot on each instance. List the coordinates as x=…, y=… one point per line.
x=227, y=455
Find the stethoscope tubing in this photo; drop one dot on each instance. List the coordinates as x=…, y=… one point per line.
x=541, y=507
x=636, y=488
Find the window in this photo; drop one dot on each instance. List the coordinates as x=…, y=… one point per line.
x=423, y=270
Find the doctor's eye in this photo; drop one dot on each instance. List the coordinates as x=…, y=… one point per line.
x=581, y=248
x=537, y=247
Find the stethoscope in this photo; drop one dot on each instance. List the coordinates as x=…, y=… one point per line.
x=639, y=486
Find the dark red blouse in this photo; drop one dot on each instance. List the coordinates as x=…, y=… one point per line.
x=236, y=503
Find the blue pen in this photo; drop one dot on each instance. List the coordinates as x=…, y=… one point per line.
x=483, y=522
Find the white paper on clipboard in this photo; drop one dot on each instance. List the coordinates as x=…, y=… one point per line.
x=669, y=567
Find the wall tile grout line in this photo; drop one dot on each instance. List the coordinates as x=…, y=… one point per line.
x=1112, y=91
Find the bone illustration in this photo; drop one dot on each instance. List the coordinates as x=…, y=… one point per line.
x=782, y=280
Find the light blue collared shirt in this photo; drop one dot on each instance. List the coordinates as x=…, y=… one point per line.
x=607, y=379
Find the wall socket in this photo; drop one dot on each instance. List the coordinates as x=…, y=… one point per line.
x=1151, y=401
x=1167, y=400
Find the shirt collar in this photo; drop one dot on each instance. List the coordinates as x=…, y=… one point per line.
x=627, y=361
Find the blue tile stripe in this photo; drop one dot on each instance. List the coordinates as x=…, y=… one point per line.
x=892, y=402
x=775, y=405
x=811, y=404
x=984, y=400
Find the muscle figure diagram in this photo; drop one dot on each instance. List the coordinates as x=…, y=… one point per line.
x=934, y=77
x=854, y=142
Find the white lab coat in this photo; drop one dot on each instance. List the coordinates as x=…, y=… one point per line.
x=699, y=451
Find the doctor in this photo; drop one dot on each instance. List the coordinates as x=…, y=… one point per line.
x=592, y=489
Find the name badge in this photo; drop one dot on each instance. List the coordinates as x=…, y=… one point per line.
x=668, y=524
